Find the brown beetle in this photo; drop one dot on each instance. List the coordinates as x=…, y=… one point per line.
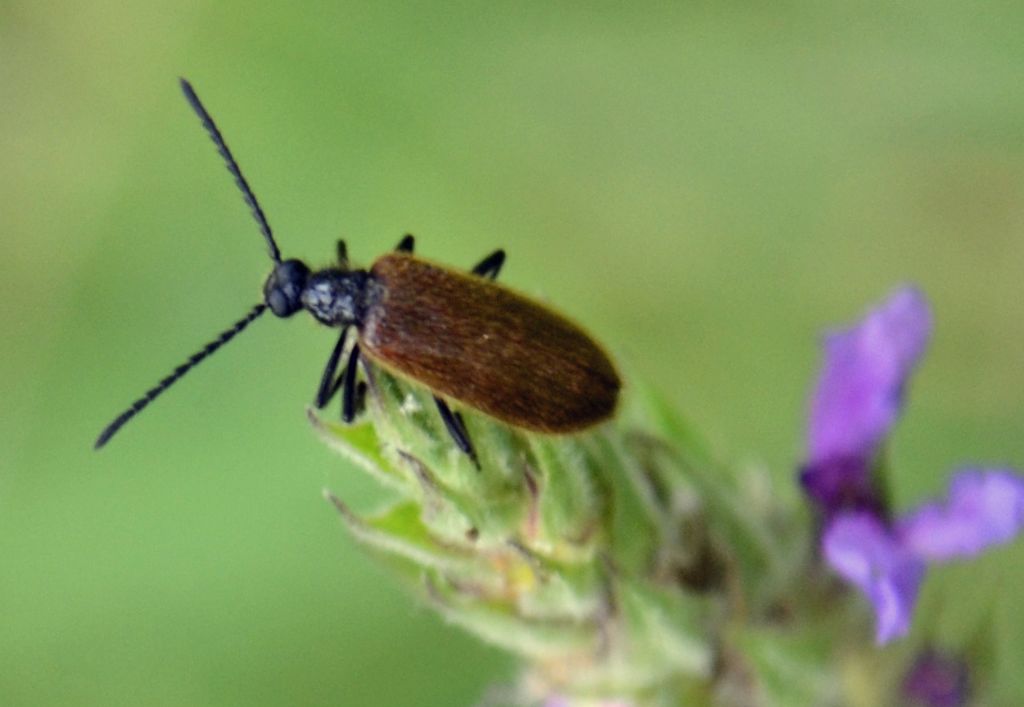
x=461, y=335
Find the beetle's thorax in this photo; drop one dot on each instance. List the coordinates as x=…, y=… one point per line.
x=337, y=297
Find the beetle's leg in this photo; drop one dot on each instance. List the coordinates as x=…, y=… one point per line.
x=342, y=254
x=490, y=266
x=407, y=244
x=328, y=385
x=457, y=429
x=361, y=395
x=348, y=392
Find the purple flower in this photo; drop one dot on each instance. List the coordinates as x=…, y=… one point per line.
x=858, y=399
x=860, y=548
x=861, y=388
x=887, y=561
x=984, y=508
x=937, y=680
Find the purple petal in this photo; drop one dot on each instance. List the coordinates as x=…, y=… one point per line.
x=860, y=549
x=860, y=390
x=841, y=484
x=985, y=507
x=937, y=680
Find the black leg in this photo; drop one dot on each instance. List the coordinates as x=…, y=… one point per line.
x=361, y=396
x=328, y=386
x=407, y=244
x=457, y=429
x=342, y=255
x=348, y=392
x=490, y=266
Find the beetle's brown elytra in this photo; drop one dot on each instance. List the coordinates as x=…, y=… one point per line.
x=486, y=346
x=466, y=338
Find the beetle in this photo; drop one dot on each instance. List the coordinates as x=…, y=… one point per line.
x=462, y=335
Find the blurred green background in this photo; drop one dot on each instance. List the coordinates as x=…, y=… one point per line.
x=705, y=186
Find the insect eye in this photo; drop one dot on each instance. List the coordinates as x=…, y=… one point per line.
x=283, y=289
x=280, y=304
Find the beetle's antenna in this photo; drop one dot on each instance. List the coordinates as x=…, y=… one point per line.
x=236, y=172
x=193, y=360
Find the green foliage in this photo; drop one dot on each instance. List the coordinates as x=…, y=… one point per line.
x=613, y=561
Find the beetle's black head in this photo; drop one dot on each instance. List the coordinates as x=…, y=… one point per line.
x=283, y=289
